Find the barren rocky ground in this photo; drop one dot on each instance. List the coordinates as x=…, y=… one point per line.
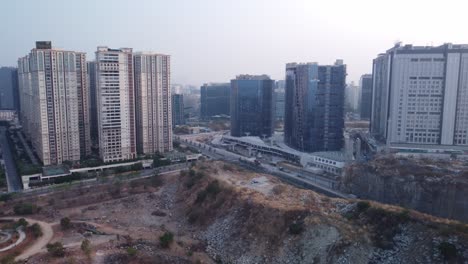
x=219, y=213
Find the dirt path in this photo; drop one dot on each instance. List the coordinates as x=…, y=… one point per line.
x=39, y=244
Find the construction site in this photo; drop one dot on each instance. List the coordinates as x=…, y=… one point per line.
x=216, y=212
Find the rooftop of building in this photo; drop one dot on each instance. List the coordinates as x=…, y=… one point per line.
x=55, y=170
x=252, y=77
x=107, y=49
x=332, y=155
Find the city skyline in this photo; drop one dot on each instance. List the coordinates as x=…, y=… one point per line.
x=214, y=33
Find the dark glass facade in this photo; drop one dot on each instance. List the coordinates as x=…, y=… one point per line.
x=178, y=117
x=9, y=98
x=215, y=99
x=314, y=99
x=366, y=96
x=93, y=115
x=252, y=106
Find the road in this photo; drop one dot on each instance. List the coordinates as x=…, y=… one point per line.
x=13, y=179
x=27, y=148
x=319, y=184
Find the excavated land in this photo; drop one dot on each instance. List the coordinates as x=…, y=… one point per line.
x=437, y=187
x=220, y=213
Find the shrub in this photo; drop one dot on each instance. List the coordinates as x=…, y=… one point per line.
x=166, y=239
x=131, y=251
x=56, y=249
x=296, y=228
x=363, y=206
x=201, y=196
x=86, y=247
x=6, y=197
x=213, y=188
x=448, y=250
x=36, y=230
x=22, y=222
x=65, y=223
x=10, y=259
x=24, y=209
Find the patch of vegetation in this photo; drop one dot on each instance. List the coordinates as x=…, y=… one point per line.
x=36, y=230
x=194, y=177
x=10, y=259
x=132, y=252
x=448, y=250
x=296, y=227
x=6, y=197
x=212, y=190
x=86, y=247
x=25, y=209
x=227, y=167
x=65, y=223
x=166, y=239
x=159, y=161
x=56, y=249
x=22, y=222
x=362, y=206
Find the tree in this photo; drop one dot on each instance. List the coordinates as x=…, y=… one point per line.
x=24, y=209
x=36, y=230
x=86, y=247
x=56, y=249
x=65, y=223
x=22, y=222
x=131, y=251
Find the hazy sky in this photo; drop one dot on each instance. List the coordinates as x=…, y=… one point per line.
x=214, y=40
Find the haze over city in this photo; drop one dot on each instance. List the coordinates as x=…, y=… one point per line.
x=222, y=131
x=213, y=40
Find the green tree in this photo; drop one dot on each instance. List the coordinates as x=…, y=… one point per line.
x=131, y=251
x=56, y=249
x=36, y=230
x=22, y=222
x=86, y=247
x=166, y=239
x=65, y=223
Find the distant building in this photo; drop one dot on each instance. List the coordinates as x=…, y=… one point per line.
x=279, y=99
x=153, y=103
x=252, y=106
x=9, y=97
x=352, y=95
x=314, y=116
x=93, y=115
x=115, y=104
x=365, y=103
x=178, y=117
x=53, y=97
x=420, y=96
x=215, y=99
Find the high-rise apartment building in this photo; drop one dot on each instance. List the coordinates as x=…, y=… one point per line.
x=52, y=87
x=178, y=117
x=9, y=98
x=420, y=96
x=215, y=99
x=314, y=116
x=83, y=105
x=252, y=106
x=279, y=99
x=153, y=103
x=93, y=115
x=365, y=102
x=115, y=104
